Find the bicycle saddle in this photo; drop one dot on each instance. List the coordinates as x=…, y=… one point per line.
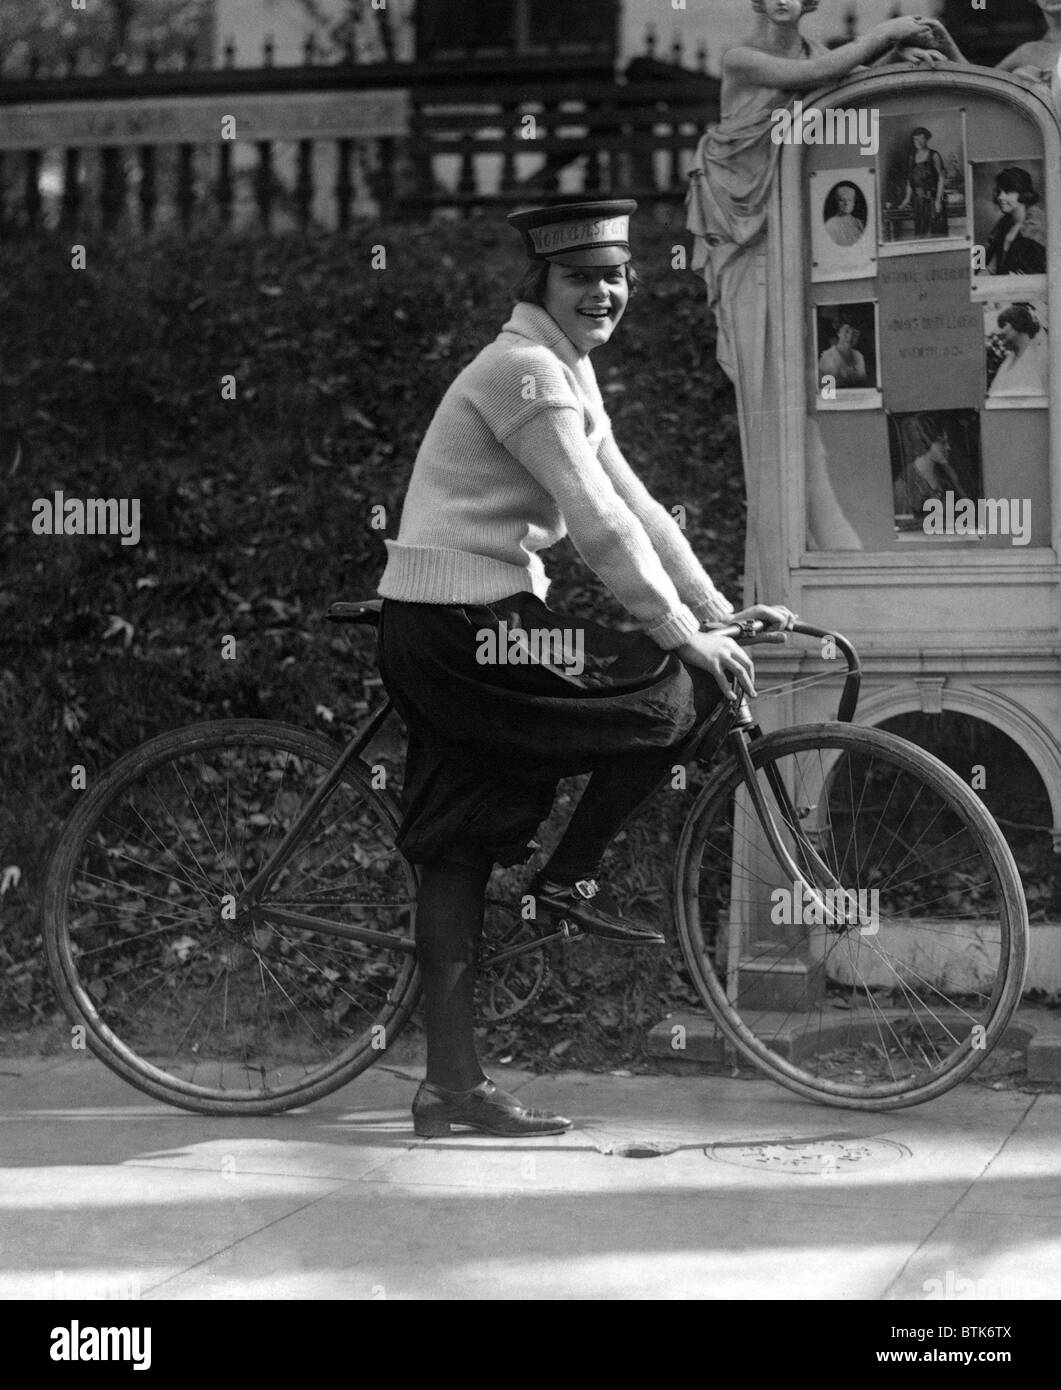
x=364, y=610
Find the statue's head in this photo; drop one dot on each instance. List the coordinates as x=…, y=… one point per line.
x=806, y=7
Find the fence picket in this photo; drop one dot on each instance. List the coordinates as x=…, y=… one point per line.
x=445, y=134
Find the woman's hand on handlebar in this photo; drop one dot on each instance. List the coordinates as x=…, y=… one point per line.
x=777, y=621
x=722, y=658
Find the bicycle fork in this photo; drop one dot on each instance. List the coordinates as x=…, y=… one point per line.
x=844, y=909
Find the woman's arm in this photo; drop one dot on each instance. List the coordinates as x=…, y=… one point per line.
x=941, y=178
x=751, y=65
x=553, y=448
x=995, y=242
x=693, y=583
x=952, y=479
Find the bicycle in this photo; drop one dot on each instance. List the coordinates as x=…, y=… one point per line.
x=226, y=915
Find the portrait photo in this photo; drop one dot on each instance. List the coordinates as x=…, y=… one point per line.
x=1009, y=228
x=843, y=224
x=933, y=453
x=923, y=175
x=847, y=354
x=1017, y=355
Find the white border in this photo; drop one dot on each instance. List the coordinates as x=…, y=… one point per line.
x=984, y=288
x=829, y=261
x=849, y=397
x=921, y=246
x=1016, y=402
x=1038, y=566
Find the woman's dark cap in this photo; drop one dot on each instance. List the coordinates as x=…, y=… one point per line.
x=596, y=233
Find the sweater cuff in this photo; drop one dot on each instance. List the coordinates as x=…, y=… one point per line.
x=715, y=609
x=674, y=629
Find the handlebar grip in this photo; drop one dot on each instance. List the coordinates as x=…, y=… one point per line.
x=849, y=695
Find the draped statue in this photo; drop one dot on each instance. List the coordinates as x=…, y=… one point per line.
x=727, y=210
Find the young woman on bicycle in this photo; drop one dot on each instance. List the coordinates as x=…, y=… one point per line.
x=503, y=696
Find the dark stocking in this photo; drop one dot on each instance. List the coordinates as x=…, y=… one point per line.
x=449, y=923
x=610, y=797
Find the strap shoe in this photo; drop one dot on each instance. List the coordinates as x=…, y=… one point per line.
x=593, y=909
x=486, y=1107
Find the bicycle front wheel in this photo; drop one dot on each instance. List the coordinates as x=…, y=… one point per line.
x=885, y=969
x=212, y=1009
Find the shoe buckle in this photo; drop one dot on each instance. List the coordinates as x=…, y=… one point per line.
x=587, y=887
x=569, y=930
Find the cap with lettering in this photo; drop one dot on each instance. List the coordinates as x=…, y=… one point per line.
x=577, y=233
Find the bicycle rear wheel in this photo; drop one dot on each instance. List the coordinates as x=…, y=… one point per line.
x=893, y=977
x=208, y=1009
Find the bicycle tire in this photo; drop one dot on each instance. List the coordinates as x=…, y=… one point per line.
x=880, y=1056
x=164, y=987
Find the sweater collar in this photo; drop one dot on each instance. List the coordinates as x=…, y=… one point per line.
x=533, y=322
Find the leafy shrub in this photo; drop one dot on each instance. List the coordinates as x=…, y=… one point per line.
x=256, y=515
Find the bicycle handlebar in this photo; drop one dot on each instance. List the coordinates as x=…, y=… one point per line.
x=745, y=631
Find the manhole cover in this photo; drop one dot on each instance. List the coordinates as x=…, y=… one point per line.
x=813, y=1156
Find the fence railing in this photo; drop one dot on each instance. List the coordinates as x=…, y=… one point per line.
x=320, y=145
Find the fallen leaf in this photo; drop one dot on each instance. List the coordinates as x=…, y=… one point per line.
x=353, y=416
x=119, y=625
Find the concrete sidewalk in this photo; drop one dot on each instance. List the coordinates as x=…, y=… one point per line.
x=745, y=1192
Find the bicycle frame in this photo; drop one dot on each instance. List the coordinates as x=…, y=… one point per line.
x=247, y=899
x=730, y=721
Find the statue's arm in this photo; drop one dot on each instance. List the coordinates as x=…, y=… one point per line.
x=942, y=40
x=1017, y=59
x=750, y=66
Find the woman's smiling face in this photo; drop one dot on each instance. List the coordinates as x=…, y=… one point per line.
x=587, y=301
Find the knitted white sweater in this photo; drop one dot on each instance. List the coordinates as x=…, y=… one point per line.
x=519, y=453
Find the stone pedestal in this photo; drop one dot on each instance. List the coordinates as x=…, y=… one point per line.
x=774, y=979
